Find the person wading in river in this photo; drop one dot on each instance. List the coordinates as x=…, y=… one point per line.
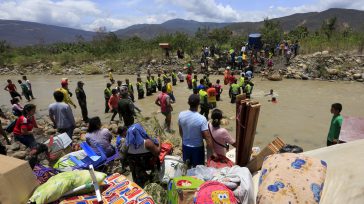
x=81, y=98
x=164, y=101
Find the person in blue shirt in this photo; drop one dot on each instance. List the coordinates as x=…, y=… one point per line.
x=193, y=128
x=201, y=86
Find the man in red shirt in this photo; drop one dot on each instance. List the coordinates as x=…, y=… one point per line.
x=164, y=101
x=232, y=78
x=189, y=80
x=12, y=90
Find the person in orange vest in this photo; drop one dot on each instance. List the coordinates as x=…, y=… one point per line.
x=227, y=75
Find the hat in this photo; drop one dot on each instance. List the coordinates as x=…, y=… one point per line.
x=228, y=67
x=80, y=82
x=194, y=100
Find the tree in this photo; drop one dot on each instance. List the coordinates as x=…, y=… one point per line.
x=220, y=36
x=271, y=31
x=298, y=33
x=4, y=52
x=329, y=26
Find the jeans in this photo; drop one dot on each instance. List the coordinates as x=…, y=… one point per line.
x=195, y=155
x=27, y=140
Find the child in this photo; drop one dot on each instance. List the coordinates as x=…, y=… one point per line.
x=17, y=109
x=12, y=90
x=218, y=88
x=335, y=126
x=24, y=89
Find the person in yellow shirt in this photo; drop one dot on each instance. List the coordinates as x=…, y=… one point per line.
x=169, y=90
x=140, y=88
x=111, y=77
x=148, y=86
x=234, y=91
x=204, y=105
x=154, y=84
x=66, y=96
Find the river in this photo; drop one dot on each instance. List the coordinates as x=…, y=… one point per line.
x=301, y=116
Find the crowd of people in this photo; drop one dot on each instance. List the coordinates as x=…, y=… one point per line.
x=141, y=149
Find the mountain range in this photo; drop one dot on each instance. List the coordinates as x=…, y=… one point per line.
x=22, y=33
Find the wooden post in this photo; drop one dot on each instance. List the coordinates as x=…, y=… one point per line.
x=249, y=114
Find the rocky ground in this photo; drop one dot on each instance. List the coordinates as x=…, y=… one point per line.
x=321, y=65
x=326, y=66
x=18, y=150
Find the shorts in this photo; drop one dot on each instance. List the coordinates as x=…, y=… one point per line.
x=195, y=155
x=167, y=113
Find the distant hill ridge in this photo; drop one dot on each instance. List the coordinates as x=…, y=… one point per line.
x=22, y=33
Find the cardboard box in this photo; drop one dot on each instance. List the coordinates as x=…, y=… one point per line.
x=17, y=181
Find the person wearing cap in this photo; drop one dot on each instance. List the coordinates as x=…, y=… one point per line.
x=66, y=93
x=81, y=98
x=193, y=128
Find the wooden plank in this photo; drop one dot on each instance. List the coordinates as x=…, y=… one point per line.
x=272, y=148
x=251, y=120
x=239, y=98
x=242, y=129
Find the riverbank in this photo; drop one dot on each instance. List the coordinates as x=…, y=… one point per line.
x=323, y=65
x=301, y=116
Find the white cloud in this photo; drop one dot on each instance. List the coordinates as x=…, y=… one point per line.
x=114, y=14
x=206, y=10
x=63, y=13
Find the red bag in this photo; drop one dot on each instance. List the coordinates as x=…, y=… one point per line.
x=220, y=162
x=166, y=149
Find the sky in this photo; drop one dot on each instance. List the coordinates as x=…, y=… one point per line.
x=116, y=14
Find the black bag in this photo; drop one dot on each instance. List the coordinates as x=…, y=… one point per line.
x=291, y=149
x=11, y=127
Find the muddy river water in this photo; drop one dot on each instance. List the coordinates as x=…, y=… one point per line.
x=301, y=116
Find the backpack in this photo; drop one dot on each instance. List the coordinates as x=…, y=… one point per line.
x=213, y=192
